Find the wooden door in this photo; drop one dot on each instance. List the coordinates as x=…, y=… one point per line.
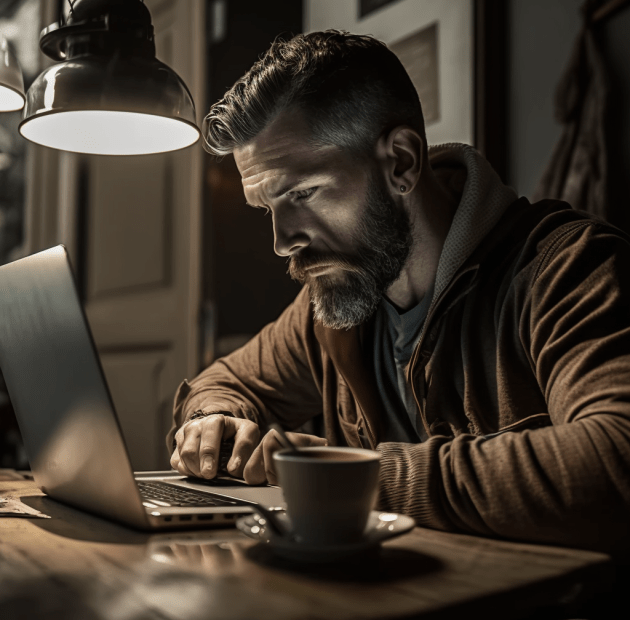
x=141, y=248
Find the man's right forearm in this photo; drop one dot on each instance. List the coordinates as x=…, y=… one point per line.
x=269, y=379
x=208, y=402
x=188, y=400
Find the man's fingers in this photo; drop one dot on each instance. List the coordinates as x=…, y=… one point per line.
x=254, y=471
x=246, y=438
x=212, y=429
x=177, y=464
x=304, y=440
x=261, y=468
x=179, y=440
x=188, y=448
x=199, y=443
x=270, y=444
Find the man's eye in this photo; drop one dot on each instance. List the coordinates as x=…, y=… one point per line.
x=304, y=193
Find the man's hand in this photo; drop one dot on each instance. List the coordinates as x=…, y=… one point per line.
x=260, y=468
x=199, y=443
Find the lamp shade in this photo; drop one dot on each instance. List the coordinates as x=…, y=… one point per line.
x=110, y=106
x=110, y=95
x=11, y=80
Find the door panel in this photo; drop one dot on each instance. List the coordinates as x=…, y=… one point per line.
x=134, y=380
x=137, y=223
x=142, y=247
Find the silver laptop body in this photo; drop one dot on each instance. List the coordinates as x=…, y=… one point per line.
x=66, y=415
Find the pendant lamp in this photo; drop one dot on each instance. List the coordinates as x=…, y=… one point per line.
x=11, y=80
x=109, y=95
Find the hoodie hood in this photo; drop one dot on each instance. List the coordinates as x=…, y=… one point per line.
x=484, y=200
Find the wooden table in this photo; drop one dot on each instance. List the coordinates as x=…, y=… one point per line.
x=78, y=563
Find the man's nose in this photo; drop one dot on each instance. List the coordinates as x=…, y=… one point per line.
x=289, y=232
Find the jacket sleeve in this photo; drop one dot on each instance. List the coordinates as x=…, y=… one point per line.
x=274, y=377
x=565, y=484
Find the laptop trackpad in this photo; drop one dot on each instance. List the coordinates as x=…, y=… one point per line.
x=233, y=487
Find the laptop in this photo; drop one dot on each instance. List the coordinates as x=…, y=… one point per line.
x=66, y=415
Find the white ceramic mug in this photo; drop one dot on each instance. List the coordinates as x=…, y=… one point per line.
x=329, y=492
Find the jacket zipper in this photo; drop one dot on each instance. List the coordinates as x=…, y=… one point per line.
x=370, y=439
x=365, y=441
x=416, y=352
x=414, y=359
x=432, y=313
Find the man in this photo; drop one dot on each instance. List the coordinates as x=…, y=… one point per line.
x=480, y=343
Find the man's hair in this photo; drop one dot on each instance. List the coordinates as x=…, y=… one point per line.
x=351, y=88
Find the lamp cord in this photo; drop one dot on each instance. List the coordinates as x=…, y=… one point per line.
x=62, y=18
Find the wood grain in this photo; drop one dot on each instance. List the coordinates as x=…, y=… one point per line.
x=78, y=559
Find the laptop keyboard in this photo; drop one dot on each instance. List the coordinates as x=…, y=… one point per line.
x=164, y=494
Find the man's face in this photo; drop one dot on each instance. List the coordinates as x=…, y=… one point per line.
x=333, y=216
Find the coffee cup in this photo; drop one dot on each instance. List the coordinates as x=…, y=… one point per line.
x=329, y=492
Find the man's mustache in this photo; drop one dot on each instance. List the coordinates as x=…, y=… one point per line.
x=301, y=262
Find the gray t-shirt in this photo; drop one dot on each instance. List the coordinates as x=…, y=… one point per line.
x=393, y=339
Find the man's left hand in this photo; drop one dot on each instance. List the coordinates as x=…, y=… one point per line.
x=260, y=467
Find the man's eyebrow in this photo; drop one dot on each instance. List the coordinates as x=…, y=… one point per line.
x=288, y=187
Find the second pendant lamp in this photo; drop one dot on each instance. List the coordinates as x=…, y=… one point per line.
x=109, y=94
x=11, y=80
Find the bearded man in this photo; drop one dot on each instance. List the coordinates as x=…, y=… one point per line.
x=479, y=342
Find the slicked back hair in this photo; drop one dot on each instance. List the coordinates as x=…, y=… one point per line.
x=351, y=89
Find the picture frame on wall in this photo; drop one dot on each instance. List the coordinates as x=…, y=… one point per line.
x=369, y=6
x=454, y=53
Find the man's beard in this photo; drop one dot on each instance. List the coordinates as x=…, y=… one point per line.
x=351, y=294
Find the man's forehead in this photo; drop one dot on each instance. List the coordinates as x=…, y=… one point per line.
x=283, y=146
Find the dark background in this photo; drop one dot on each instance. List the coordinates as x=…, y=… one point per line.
x=245, y=283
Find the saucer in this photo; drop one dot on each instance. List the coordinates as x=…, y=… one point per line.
x=381, y=526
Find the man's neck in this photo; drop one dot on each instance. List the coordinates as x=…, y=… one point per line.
x=431, y=209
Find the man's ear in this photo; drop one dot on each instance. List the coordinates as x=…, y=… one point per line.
x=401, y=153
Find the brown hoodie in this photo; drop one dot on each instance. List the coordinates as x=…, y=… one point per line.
x=521, y=376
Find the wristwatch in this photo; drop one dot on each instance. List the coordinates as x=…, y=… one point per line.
x=198, y=413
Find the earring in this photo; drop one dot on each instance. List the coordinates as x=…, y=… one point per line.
x=403, y=188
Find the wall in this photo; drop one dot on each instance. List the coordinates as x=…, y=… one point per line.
x=245, y=284
x=397, y=22
x=542, y=35
x=616, y=48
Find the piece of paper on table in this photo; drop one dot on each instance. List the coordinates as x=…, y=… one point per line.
x=11, y=506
